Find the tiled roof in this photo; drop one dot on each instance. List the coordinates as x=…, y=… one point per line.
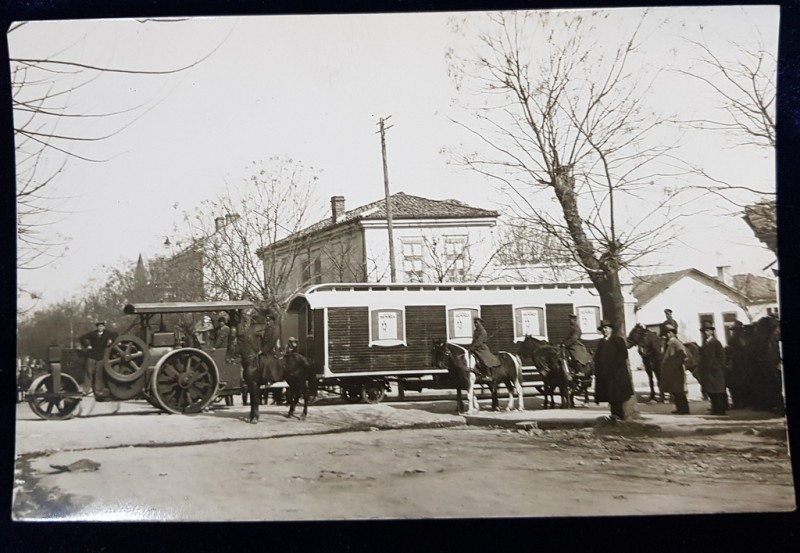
x=757, y=288
x=648, y=287
x=404, y=206
x=762, y=218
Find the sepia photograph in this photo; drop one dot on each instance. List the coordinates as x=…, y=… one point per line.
x=380, y=266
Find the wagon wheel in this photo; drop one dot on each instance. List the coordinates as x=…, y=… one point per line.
x=185, y=381
x=126, y=359
x=351, y=394
x=51, y=404
x=125, y=390
x=373, y=392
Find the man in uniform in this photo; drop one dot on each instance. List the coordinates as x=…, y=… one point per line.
x=577, y=351
x=270, y=344
x=95, y=343
x=222, y=334
x=486, y=359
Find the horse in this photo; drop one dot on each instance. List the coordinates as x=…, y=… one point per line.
x=301, y=377
x=649, y=345
x=552, y=366
x=461, y=368
x=256, y=372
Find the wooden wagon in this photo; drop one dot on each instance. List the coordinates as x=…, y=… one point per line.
x=362, y=337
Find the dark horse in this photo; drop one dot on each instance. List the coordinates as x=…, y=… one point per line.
x=461, y=368
x=299, y=374
x=649, y=345
x=293, y=368
x=553, y=367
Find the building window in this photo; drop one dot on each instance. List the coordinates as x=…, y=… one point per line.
x=528, y=321
x=727, y=320
x=387, y=327
x=312, y=270
x=772, y=311
x=459, y=324
x=413, y=260
x=456, y=258
x=588, y=318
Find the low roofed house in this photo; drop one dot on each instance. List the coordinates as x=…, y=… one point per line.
x=762, y=293
x=694, y=297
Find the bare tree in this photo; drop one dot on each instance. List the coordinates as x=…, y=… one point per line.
x=743, y=84
x=48, y=136
x=231, y=233
x=563, y=130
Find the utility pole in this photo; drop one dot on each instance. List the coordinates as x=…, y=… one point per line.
x=383, y=129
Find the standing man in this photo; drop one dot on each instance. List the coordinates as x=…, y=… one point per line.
x=612, y=380
x=487, y=360
x=270, y=344
x=223, y=333
x=95, y=343
x=711, y=371
x=673, y=375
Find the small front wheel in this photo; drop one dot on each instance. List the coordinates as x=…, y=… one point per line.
x=373, y=392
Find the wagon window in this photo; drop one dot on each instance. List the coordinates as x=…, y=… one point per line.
x=588, y=318
x=528, y=321
x=459, y=324
x=387, y=327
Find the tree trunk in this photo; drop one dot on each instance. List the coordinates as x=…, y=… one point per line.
x=603, y=270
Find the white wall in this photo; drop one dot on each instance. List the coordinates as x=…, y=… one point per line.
x=688, y=298
x=480, y=240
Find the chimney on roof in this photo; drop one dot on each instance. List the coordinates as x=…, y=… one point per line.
x=724, y=274
x=337, y=208
x=219, y=222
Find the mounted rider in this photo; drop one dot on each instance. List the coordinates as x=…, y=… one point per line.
x=578, y=354
x=486, y=360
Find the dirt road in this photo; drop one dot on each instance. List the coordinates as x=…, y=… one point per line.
x=378, y=471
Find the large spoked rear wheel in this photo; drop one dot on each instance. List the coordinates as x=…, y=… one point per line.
x=51, y=404
x=185, y=381
x=126, y=359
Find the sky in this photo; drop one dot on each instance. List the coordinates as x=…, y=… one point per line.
x=312, y=88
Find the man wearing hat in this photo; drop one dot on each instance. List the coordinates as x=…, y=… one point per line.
x=94, y=343
x=486, y=359
x=711, y=370
x=270, y=343
x=222, y=332
x=673, y=374
x=662, y=328
x=612, y=381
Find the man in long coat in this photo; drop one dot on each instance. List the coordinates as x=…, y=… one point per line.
x=711, y=370
x=478, y=346
x=612, y=379
x=673, y=375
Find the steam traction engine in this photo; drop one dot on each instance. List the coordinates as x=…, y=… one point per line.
x=172, y=368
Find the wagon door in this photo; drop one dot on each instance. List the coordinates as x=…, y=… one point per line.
x=557, y=315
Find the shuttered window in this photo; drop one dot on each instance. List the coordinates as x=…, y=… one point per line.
x=459, y=324
x=387, y=327
x=529, y=321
